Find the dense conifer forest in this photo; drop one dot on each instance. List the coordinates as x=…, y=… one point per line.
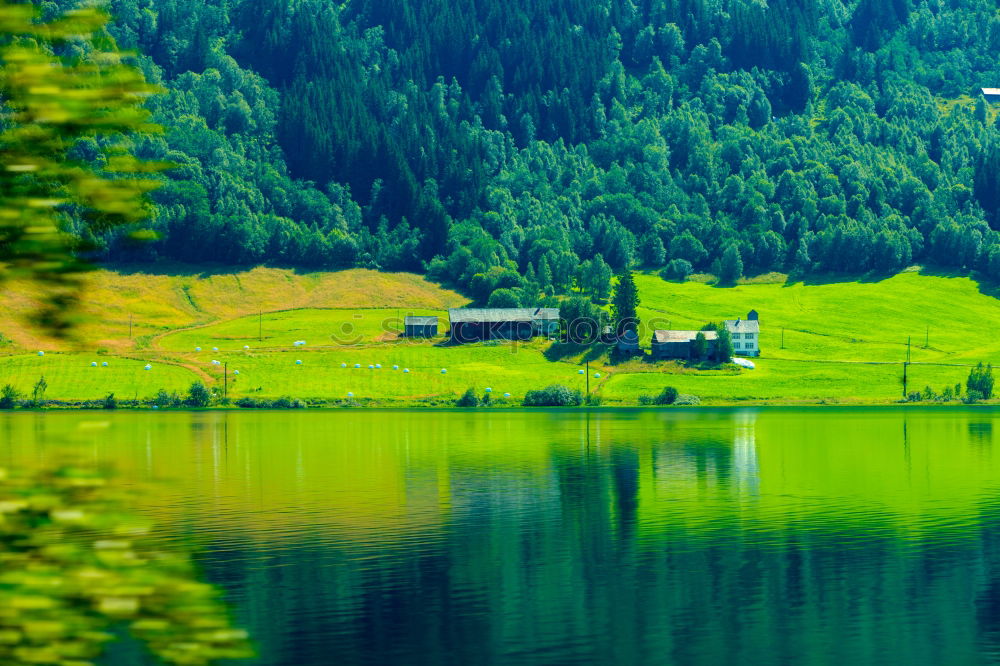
x=536, y=146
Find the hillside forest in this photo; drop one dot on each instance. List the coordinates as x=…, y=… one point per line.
x=536, y=147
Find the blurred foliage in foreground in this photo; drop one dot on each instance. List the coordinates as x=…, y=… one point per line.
x=74, y=565
x=63, y=81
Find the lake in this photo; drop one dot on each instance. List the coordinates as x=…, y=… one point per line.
x=750, y=536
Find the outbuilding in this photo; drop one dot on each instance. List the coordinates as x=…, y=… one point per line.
x=420, y=327
x=680, y=344
x=628, y=342
x=471, y=324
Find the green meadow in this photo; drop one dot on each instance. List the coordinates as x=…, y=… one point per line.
x=946, y=319
x=72, y=377
x=322, y=374
x=822, y=343
x=317, y=327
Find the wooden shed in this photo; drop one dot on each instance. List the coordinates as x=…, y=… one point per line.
x=471, y=324
x=680, y=344
x=420, y=327
x=628, y=342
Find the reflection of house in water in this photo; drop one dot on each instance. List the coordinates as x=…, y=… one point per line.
x=746, y=472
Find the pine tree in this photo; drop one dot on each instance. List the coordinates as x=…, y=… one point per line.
x=624, y=304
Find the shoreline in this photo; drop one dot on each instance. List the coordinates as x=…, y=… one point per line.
x=79, y=407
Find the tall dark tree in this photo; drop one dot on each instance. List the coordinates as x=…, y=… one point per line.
x=625, y=303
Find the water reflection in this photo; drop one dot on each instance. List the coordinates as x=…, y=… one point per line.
x=631, y=537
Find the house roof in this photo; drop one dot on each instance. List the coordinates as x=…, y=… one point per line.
x=743, y=325
x=682, y=336
x=420, y=321
x=497, y=315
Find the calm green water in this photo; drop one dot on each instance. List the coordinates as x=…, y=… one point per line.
x=573, y=537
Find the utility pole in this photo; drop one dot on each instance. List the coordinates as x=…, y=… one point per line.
x=905, y=364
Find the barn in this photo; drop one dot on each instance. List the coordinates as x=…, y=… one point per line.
x=472, y=324
x=680, y=344
x=420, y=327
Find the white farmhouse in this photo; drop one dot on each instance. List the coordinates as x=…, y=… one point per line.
x=745, y=334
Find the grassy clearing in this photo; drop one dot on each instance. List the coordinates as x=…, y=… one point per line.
x=859, y=321
x=71, y=377
x=505, y=368
x=780, y=382
x=282, y=329
x=178, y=297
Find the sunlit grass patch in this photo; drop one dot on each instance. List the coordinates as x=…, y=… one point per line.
x=72, y=377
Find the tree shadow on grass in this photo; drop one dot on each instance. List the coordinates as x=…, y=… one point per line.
x=986, y=285
x=588, y=353
x=816, y=279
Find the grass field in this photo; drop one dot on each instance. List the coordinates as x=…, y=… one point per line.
x=71, y=376
x=775, y=381
x=283, y=328
x=947, y=319
x=821, y=343
x=503, y=368
x=152, y=304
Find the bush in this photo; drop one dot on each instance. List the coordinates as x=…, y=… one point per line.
x=553, y=396
x=668, y=396
x=198, y=395
x=468, y=399
x=684, y=399
x=677, y=269
x=248, y=403
x=164, y=399
x=109, y=402
x=9, y=397
x=981, y=380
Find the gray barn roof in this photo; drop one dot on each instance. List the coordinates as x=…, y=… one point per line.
x=497, y=315
x=743, y=325
x=682, y=336
x=420, y=321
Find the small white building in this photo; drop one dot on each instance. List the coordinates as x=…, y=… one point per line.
x=745, y=334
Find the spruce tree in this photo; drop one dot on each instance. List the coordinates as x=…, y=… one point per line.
x=624, y=303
